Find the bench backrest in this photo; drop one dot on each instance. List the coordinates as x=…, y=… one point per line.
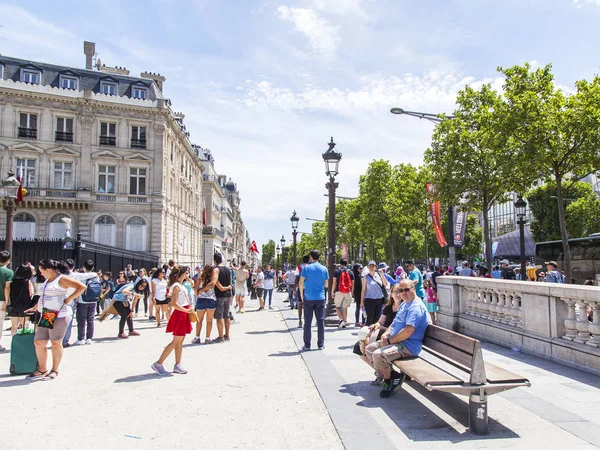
x=458, y=350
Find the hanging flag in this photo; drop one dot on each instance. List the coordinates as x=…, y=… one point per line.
x=460, y=225
x=20, y=191
x=254, y=247
x=434, y=211
x=204, y=217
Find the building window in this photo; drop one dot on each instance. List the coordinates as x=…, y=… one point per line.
x=57, y=228
x=63, y=175
x=108, y=88
x=26, y=169
x=108, y=134
x=138, y=137
x=137, y=181
x=30, y=76
x=67, y=82
x=64, y=129
x=24, y=226
x=135, y=234
x=105, y=230
x=106, y=179
x=1, y=71
x=28, y=126
x=139, y=92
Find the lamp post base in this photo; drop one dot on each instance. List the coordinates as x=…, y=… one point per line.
x=331, y=317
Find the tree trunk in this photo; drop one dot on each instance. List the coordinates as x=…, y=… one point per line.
x=391, y=245
x=564, y=236
x=486, y=235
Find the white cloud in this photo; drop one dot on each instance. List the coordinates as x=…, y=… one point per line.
x=322, y=35
x=582, y=3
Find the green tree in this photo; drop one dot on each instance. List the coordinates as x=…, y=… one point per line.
x=268, y=252
x=583, y=217
x=470, y=156
x=473, y=238
x=558, y=133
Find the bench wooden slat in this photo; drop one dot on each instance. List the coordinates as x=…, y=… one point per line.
x=497, y=374
x=425, y=373
x=463, y=358
x=457, y=340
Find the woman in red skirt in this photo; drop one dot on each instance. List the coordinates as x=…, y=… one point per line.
x=179, y=323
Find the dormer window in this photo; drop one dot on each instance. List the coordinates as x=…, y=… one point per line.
x=68, y=82
x=139, y=92
x=31, y=76
x=108, y=88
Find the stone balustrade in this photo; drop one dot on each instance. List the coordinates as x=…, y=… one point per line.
x=545, y=319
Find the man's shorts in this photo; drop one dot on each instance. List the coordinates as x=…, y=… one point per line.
x=163, y=302
x=222, y=311
x=260, y=292
x=342, y=300
x=205, y=303
x=55, y=334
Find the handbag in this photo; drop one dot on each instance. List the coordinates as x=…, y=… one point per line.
x=48, y=316
x=193, y=317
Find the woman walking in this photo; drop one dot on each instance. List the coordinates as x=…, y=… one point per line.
x=357, y=294
x=142, y=275
x=374, y=284
x=122, y=301
x=19, y=292
x=159, y=295
x=206, y=302
x=241, y=278
x=179, y=322
x=53, y=305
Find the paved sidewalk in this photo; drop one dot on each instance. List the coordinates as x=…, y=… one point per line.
x=254, y=392
x=560, y=410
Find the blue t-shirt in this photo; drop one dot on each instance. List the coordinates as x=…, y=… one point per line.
x=314, y=275
x=390, y=280
x=119, y=296
x=496, y=274
x=413, y=314
x=416, y=276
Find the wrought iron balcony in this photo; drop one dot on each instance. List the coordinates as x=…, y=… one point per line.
x=108, y=141
x=63, y=136
x=138, y=143
x=28, y=133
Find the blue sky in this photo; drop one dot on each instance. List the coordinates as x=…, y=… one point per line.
x=265, y=84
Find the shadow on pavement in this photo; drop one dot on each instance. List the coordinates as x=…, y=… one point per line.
x=346, y=347
x=266, y=332
x=106, y=339
x=16, y=381
x=414, y=419
x=136, y=378
x=296, y=353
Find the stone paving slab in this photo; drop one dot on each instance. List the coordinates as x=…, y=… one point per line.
x=560, y=410
x=252, y=393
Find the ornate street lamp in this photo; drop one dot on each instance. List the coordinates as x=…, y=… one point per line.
x=332, y=162
x=10, y=189
x=407, y=240
x=521, y=210
x=294, y=219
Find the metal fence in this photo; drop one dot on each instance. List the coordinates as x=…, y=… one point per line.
x=106, y=258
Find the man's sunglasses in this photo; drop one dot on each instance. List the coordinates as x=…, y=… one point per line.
x=403, y=290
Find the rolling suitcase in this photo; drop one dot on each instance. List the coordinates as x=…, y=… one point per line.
x=22, y=354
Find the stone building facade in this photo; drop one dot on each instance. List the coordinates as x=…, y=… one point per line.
x=104, y=149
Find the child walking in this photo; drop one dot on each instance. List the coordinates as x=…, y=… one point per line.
x=431, y=304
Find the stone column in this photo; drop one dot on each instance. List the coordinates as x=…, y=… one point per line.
x=570, y=321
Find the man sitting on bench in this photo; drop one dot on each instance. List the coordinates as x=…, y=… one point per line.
x=403, y=339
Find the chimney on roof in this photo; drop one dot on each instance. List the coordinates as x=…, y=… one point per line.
x=156, y=77
x=89, y=50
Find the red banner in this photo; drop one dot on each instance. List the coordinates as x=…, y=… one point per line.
x=436, y=217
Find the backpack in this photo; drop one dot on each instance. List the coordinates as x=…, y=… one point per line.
x=93, y=290
x=345, y=282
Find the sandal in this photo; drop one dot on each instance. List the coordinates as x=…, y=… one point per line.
x=51, y=376
x=33, y=377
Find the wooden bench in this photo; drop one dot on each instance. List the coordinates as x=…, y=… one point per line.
x=452, y=362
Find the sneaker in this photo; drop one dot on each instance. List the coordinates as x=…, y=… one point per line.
x=178, y=368
x=218, y=340
x=196, y=340
x=89, y=341
x=341, y=324
x=305, y=348
x=64, y=345
x=394, y=383
x=114, y=317
x=377, y=381
x=134, y=333
x=270, y=307
x=261, y=308
x=81, y=342
x=122, y=336
x=299, y=324
x=322, y=347
x=151, y=318
x=241, y=311
x=345, y=325
x=159, y=369
x=208, y=341
x=135, y=314
x=226, y=338
x=358, y=324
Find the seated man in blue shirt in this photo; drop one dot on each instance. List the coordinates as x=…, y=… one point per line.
x=403, y=339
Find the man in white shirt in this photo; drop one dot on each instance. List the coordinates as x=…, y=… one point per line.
x=260, y=287
x=290, y=281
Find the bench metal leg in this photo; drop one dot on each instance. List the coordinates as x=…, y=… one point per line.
x=478, y=413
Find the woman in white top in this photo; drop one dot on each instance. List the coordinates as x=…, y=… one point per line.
x=159, y=295
x=241, y=290
x=179, y=323
x=53, y=297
